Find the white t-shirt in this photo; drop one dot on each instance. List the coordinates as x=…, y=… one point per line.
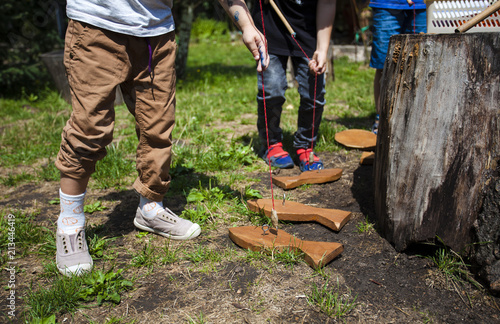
x=142, y=18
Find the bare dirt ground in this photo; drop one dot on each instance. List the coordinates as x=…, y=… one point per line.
x=389, y=287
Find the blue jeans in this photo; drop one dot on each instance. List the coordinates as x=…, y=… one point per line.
x=275, y=85
x=388, y=22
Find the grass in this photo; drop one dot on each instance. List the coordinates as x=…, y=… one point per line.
x=331, y=300
x=365, y=226
x=453, y=266
x=210, y=170
x=19, y=229
x=66, y=295
x=212, y=92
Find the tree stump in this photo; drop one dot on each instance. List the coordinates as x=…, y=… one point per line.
x=438, y=144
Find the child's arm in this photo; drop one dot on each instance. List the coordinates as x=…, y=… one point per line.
x=325, y=16
x=253, y=39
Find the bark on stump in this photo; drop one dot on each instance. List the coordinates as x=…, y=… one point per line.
x=438, y=151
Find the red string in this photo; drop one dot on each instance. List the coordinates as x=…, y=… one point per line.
x=315, y=85
x=264, y=100
x=414, y=19
x=314, y=110
x=265, y=108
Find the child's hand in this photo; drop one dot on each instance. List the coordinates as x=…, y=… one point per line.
x=257, y=45
x=317, y=65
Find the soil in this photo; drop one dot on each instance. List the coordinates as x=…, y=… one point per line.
x=389, y=287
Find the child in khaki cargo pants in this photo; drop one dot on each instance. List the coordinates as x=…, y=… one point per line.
x=131, y=45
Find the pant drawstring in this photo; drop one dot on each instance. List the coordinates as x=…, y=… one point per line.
x=151, y=73
x=150, y=68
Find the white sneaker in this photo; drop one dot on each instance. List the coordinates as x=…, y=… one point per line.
x=72, y=256
x=167, y=224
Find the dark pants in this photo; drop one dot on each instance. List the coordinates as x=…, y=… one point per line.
x=275, y=85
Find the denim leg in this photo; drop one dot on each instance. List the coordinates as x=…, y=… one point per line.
x=275, y=86
x=307, y=110
x=415, y=20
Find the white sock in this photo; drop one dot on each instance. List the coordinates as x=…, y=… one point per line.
x=72, y=217
x=150, y=208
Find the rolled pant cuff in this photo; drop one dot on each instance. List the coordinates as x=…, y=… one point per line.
x=73, y=171
x=146, y=192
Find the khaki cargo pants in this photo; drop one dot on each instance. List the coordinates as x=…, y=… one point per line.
x=97, y=61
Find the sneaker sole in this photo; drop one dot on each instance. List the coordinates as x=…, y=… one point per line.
x=316, y=166
x=288, y=165
x=76, y=270
x=193, y=232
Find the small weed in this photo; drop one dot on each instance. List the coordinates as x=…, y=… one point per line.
x=96, y=206
x=55, y=201
x=305, y=187
x=258, y=219
x=200, y=319
x=251, y=255
x=28, y=234
x=146, y=257
x=141, y=234
x=365, y=226
x=252, y=194
x=321, y=271
x=98, y=246
x=453, y=266
x=104, y=286
x=217, y=156
x=169, y=255
x=50, y=270
x=63, y=296
x=331, y=300
x=202, y=254
x=215, y=194
x=200, y=215
x=209, y=204
x=288, y=256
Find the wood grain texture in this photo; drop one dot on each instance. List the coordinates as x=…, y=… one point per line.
x=367, y=158
x=316, y=254
x=438, y=137
x=292, y=211
x=308, y=177
x=357, y=138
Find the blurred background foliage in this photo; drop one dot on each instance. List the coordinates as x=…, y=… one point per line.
x=28, y=28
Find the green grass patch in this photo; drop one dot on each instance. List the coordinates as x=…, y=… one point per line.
x=365, y=226
x=331, y=300
x=453, y=266
x=66, y=295
x=20, y=233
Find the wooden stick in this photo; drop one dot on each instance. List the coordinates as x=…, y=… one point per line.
x=283, y=19
x=478, y=18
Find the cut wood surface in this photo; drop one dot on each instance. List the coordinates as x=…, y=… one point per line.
x=316, y=254
x=308, y=177
x=357, y=138
x=296, y=212
x=367, y=158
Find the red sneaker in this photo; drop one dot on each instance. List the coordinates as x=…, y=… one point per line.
x=308, y=160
